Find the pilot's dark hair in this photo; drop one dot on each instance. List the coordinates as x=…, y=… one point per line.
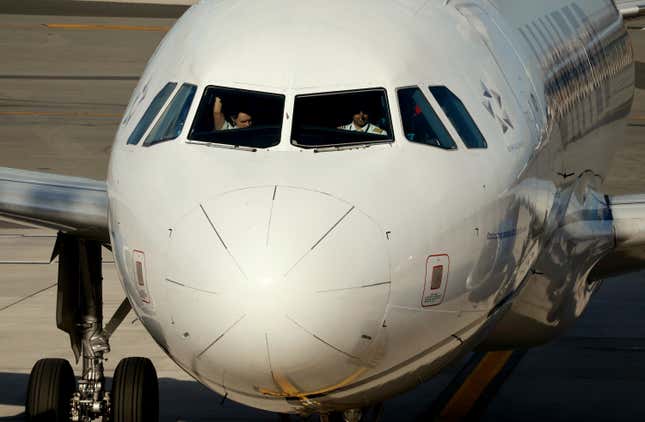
x=237, y=106
x=361, y=105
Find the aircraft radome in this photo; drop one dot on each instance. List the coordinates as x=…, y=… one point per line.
x=311, y=213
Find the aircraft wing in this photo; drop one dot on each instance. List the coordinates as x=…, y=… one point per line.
x=69, y=204
x=630, y=8
x=628, y=255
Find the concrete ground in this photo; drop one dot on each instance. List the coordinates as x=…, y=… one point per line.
x=62, y=92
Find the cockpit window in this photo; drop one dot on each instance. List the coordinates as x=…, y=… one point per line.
x=238, y=118
x=420, y=122
x=459, y=117
x=172, y=120
x=153, y=109
x=341, y=119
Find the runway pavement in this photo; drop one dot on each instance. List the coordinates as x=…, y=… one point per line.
x=63, y=88
x=91, y=9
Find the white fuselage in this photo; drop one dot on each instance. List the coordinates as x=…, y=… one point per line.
x=295, y=280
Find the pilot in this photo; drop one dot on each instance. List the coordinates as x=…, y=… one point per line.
x=240, y=119
x=360, y=123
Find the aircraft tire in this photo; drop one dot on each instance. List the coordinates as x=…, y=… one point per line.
x=135, y=391
x=50, y=390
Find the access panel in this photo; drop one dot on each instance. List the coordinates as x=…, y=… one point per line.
x=436, y=280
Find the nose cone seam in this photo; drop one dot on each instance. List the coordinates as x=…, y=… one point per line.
x=210, y=222
x=220, y=336
x=319, y=241
x=326, y=343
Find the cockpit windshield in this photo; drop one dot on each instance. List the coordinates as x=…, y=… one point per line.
x=341, y=119
x=238, y=117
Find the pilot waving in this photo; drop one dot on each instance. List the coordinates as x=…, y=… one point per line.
x=235, y=120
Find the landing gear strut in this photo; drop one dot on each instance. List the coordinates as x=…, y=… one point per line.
x=53, y=393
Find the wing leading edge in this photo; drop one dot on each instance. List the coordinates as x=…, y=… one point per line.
x=69, y=204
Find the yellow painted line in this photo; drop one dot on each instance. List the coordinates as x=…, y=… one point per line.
x=350, y=379
x=102, y=27
x=286, y=385
x=465, y=398
x=288, y=390
x=59, y=114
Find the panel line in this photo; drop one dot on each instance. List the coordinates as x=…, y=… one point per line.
x=321, y=340
x=210, y=292
x=221, y=335
x=320, y=240
x=366, y=286
x=275, y=190
x=237, y=264
x=213, y=226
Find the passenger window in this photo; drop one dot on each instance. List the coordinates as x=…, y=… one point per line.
x=238, y=118
x=420, y=123
x=341, y=119
x=459, y=117
x=153, y=109
x=172, y=120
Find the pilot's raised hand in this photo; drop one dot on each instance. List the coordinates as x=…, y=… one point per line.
x=217, y=107
x=218, y=116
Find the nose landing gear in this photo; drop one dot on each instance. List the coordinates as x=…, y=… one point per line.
x=53, y=394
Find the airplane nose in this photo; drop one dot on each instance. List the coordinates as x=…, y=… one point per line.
x=278, y=290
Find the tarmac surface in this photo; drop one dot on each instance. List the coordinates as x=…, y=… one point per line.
x=62, y=93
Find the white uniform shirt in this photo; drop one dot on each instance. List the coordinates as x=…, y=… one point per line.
x=368, y=128
x=227, y=126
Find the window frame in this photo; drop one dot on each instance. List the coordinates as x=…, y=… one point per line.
x=388, y=109
x=148, y=142
x=155, y=117
x=467, y=114
x=430, y=100
x=193, y=125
